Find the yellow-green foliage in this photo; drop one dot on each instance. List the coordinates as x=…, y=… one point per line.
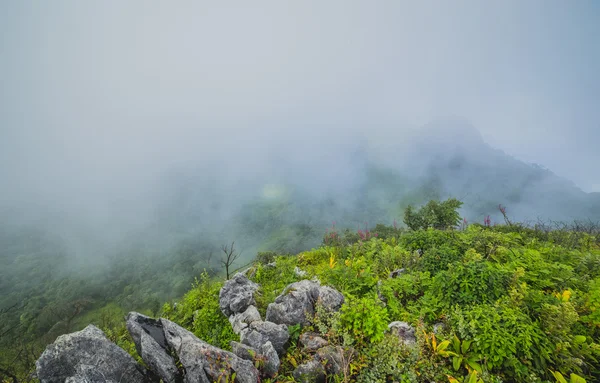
x=509, y=303
x=515, y=304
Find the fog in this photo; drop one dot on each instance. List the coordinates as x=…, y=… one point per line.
x=111, y=112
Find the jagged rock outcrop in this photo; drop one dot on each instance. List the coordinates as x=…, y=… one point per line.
x=237, y=294
x=271, y=361
x=151, y=345
x=202, y=362
x=312, y=341
x=240, y=321
x=296, y=304
x=404, y=331
x=88, y=356
x=266, y=356
x=259, y=333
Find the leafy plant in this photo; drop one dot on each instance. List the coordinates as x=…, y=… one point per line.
x=364, y=318
x=463, y=357
x=438, y=215
x=573, y=378
x=472, y=377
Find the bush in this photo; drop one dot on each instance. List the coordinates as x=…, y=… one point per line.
x=265, y=257
x=507, y=340
x=469, y=283
x=438, y=215
x=403, y=293
x=364, y=318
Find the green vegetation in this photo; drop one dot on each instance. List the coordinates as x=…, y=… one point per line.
x=510, y=302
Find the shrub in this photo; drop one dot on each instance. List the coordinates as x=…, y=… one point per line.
x=364, y=318
x=403, y=292
x=505, y=338
x=437, y=259
x=265, y=257
x=438, y=215
x=469, y=283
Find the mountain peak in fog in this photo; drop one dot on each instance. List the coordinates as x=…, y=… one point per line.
x=452, y=130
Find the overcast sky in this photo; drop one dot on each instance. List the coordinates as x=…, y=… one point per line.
x=108, y=91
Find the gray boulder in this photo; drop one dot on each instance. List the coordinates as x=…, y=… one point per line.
x=396, y=273
x=241, y=320
x=330, y=298
x=87, y=356
x=259, y=333
x=243, y=351
x=266, y=355
x=202, y=362
x=270, y=359
x=151, y=345
x=312, y=341
x=310, y=372
x=237, y=294
x=296, y=304
x=404, y=332
x=332, y=358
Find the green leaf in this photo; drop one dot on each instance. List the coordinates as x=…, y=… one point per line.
x=474, y=365
x=577, y=379
x=443, y=345
x=472, y=377
x=559, y=377
x=578, y=339
x=465, y=346
x=456, y=344
x=456, y=362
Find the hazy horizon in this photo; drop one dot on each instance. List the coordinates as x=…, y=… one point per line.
x=100, y=101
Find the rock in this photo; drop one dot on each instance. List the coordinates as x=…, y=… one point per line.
x=330, y=298
x=271, y=265
x=396, y=273
x=259, y=333
x=270, y=358
x=236, y=295
x=404, y=331
x=249, y=273
x=296, y=304
x=266, y=354
x=241, y=320
x=299, y=272
x=438, y=328
x=243, y=351
x=151, y=345
x=332, y=358
x=87, y=356
x=312, y=341
x=310, y=372
x=202, y=362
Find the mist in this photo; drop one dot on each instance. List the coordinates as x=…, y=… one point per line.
x=118, y=119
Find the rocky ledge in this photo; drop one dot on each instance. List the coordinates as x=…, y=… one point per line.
x=172, y=354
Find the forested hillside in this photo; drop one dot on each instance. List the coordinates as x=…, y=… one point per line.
x=58, y=274
x=455, y=273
